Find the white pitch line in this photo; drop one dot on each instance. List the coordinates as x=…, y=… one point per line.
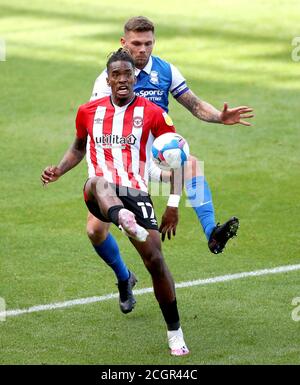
x=198, y=282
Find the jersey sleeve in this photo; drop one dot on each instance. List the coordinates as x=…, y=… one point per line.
x=178, y=85
x=81, y=131
x=162, y=123
x=101, y=87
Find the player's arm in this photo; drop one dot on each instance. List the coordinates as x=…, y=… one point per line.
x=205, y=111
x=162, y=124
x=74, y=154
x=170, y=217
x=72, y=157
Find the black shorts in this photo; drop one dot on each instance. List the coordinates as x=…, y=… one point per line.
x=138, y=202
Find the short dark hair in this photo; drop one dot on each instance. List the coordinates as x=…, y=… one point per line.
x=122, y=54
x=139, y=24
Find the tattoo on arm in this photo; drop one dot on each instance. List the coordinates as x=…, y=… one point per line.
x=199, y=108
x=73, y=156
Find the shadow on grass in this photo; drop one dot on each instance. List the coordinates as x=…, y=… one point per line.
x=164, y=29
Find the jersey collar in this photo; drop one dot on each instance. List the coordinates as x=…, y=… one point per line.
x=123, y=107
x=147, y=67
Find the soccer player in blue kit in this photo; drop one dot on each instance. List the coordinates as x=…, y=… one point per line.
x=157, y=78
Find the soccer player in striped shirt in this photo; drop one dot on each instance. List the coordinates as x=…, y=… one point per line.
x=156, y=79
x=120, y=130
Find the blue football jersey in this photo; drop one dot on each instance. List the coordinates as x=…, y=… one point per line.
x=155, y=82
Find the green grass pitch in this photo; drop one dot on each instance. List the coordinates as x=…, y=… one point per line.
x=234, y=51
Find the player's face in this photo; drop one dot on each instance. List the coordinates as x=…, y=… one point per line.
x=140, y=45
x=121, y=79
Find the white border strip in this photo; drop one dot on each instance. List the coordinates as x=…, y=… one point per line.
x=198, y=282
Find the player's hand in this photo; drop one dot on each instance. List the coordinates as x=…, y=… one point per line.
x=236, y=115
x=169, y=222
x=50, y=174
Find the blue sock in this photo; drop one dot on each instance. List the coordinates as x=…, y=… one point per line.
x=199, y=194
x=109, y=251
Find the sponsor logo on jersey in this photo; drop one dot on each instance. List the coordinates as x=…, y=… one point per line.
x=138, y=122
x=98, y=120
x=149, y=93
x=154, y=77
x=168, y=119
x=110, y=141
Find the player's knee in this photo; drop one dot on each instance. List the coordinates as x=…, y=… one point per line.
x=96, y=234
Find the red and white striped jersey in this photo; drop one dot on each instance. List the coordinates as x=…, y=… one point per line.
x=119, y=139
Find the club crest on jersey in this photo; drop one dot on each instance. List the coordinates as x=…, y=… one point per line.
x=137, y=122
x=154, y=77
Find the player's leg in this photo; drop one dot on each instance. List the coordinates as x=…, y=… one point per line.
x=200, y=196
x=164, y=289
x=102, y=203
x=106, y=246
x=141, y=205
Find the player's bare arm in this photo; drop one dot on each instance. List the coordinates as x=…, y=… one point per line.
x=71, y=158
x=205, y=111
x=170, y=217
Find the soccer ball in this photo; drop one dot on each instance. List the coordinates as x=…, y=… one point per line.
x=170, y=150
